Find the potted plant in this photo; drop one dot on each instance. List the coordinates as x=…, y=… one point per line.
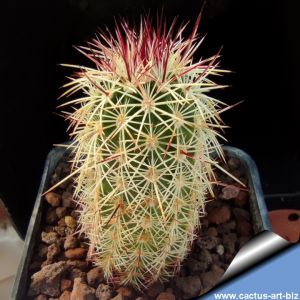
x=145, y=165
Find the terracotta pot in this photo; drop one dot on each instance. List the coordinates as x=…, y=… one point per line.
x=286, y=223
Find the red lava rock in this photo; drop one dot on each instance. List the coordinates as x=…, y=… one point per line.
x=69, y=230
x=155, y=288
x=207, y=242
x=242, y=199
x=51, y=217
x=118, y=297
x=49, y=237
x=65, y=284
x=75, y=253
x=226, y=228
x=212, y=231
x=103, y=292
x=243, y=240
x=66, y=295
x=35, y=266
x=53, y=199
x=60, y=230
x=71, y=242
x=95, y=277
x=77, y=273
x=195, y=265
x=53, y=251
x=241, y=214
x=219, y=215
x=61, y=222
x=67, y=199
x=228, y=257
x=40, y=297
x=229, y=192
x=47, y=280
x=125, y=292
x=243, y=228
x=205, y=256
x=191, y=286
x=211, y=278
x=70, y=222
x=165, y=296
x=215, y=258
x=81, y=291
x=75, y=214
x=42, y=251
x=61, y=211
x=79, y=264
x=229, y=241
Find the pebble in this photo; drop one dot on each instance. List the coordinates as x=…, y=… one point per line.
x=229, y=192
x=42, y=251
x=65, y=285
x=118, y=297
x=95, y=277
x=40, y=297
x=219, y=215
x=220, y=250
x=155, y=288
x=242, y=199
x=70, y=222
x=212, y=231
x=229, y=242
x=66, y=295
x=241, y=214
x=77, y=273
x=53, y=252
x=71, y=242
x=243, y=240
x=79, y=264
x=69, y=231
x=51, y=217
x=60, y=230
x=195, y=265
x=47, y=280
x=125, y=292
x=61, y=222
x=211, y=278
x=226, y=227
x=75, y=253
x=165, y=296
x=53, y=199
x=35, y=266
x=103, y=292
x=207, y=242
x=61, y=211
x=191, y=285
x=49, y=237
x=81, y=291
x=243, y=228
x=67, y=199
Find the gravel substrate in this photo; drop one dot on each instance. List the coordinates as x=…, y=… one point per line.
x=60, y=270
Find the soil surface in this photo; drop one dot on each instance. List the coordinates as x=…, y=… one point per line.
x=60, y=269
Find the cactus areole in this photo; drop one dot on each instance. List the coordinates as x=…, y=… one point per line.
x=143, y=131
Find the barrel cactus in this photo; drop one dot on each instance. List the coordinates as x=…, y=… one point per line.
x=143, y=132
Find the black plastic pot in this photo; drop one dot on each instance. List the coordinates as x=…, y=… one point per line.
x=257, y=207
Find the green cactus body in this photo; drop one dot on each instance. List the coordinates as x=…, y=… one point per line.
x=143, y=133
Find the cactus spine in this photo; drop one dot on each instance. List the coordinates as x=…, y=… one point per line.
x=143, y=131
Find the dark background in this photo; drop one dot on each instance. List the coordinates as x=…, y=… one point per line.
x=261, y=44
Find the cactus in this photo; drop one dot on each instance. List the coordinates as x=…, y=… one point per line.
x=143, y=133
